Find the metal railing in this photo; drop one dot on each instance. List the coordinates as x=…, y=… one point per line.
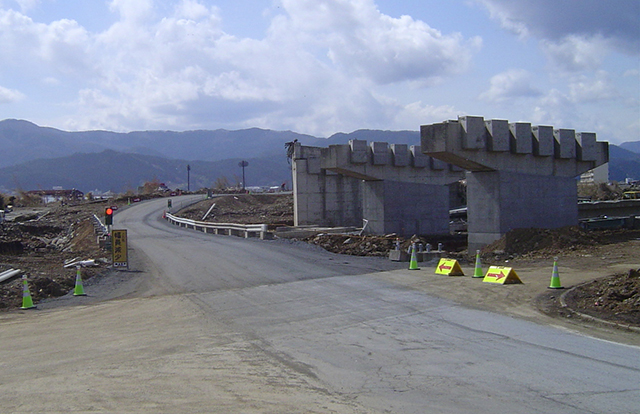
x=229, y=229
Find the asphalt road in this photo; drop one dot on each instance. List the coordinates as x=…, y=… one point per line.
x=210, y=323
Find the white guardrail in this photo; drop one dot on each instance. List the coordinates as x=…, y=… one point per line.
x=229, y=229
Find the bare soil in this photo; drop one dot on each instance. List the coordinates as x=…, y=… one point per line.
x=40, y=242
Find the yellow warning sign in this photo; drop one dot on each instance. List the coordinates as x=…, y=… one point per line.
x=449, y=267
x=501, y=275
x=119, y=248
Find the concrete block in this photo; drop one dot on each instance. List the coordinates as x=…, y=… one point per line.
x=498, y=137
x=521, y=138
x=400, y=154
x=586, y=146
x=434, y=137
x=418, y=159
x=313, y=165
x=380, y=153
x=436, y=164
x=359, y=151
x=473, y=132
x=398, y=256
x=542, y=140
x=564, y=145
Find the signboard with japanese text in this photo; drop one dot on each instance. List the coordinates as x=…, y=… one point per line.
x=119, y=248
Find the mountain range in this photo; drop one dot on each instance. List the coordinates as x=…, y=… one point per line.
x=34, y=157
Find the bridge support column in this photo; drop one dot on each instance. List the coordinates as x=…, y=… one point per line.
x=500, y=201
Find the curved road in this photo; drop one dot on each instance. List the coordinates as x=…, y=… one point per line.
x=224, y=324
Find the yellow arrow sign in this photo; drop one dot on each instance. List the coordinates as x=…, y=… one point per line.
x=501, y=275
x=449, y=267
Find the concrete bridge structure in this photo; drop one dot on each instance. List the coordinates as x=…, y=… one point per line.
x=518, y=176
x=395, y=188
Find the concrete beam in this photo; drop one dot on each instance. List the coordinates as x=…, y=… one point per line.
x=473, y=144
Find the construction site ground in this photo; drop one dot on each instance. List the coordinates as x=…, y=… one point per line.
x=598, y=269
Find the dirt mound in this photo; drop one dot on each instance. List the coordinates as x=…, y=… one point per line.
x=38, y=244
x=615, y=298
x=549, y=242
x=272, y=209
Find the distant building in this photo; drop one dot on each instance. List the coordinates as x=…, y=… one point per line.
x=58, y=194
x=597, y=175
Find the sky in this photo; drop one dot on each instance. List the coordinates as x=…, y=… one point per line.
x=320, y=66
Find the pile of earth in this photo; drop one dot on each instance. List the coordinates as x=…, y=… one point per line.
x=370, y=245
x=40, y=242
x=615, y=298
x=276, y=210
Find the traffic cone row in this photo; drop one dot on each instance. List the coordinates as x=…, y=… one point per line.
x=27, y=300
x=478, y=273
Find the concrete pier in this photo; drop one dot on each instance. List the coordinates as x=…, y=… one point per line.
x=518, y=175
x=395, y=188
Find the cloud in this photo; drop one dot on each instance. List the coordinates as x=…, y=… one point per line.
x=315, y=71
x=512, y=84
x=593, y=90
x=554, y=20
x=10, y=95
x=575, y=53
x=365, y=42
x=576, y=35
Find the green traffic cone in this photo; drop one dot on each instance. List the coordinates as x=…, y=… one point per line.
x=413, y=264
x=477, y=272
x=555, y=277
x=78, y=290
x=27, y=302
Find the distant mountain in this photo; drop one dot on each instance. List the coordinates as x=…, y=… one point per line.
x=633, y=146
x=623, y=164
x=119, y=172
x=33, y=157
x=24, y=141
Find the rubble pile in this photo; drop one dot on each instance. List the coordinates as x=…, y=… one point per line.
x=39, y=243
x=272, y=209
x=614, y=298
x=354, y=245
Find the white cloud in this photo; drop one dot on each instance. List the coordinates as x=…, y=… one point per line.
x=10, y=95
x=365, y=42
x=512, y=84
x=315, y=71
x=576, y=53
x=593, y=90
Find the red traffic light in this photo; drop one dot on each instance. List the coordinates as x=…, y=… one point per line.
x=108, y=211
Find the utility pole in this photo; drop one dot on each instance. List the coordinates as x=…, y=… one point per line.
x=243, y=164
x=188, y=178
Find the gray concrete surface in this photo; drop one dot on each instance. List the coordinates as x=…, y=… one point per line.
x=518, y=176
x=228, y=325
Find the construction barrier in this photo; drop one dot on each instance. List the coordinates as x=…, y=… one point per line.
x=555, y=277
x=449, y=267
x=501, y=275
x=78, y=290
x=477, y=271
x=27, y=301
x=413, y=263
